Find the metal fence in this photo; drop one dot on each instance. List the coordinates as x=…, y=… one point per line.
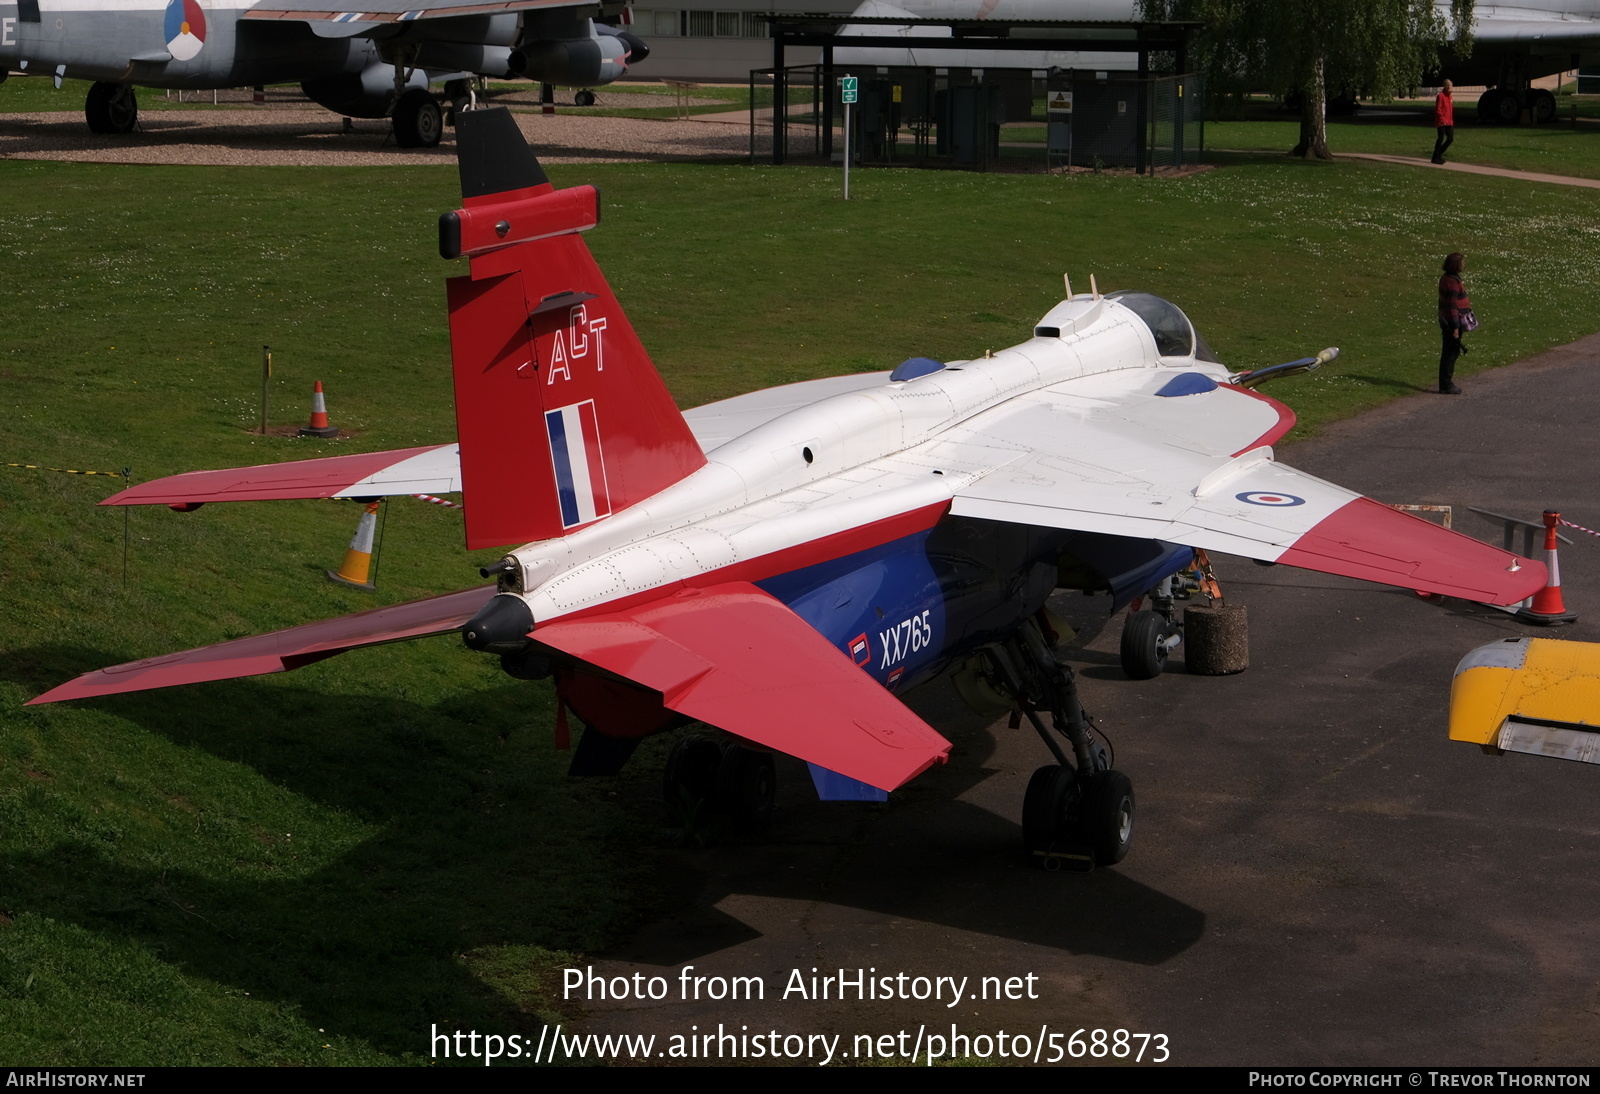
x=797, y=131
x=980, y=121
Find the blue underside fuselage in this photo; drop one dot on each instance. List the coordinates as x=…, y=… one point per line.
x=905, y=609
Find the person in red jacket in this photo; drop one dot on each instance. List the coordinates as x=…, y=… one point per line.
x=1455, y=319
x=1444, y=117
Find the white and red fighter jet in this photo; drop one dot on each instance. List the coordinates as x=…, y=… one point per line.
x=782, y=564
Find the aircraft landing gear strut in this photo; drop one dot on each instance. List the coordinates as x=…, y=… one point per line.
x=722, y=775
x=1078, y=812
x=111, y=108
x=418, y=121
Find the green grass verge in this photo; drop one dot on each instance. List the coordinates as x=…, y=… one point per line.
x=38, y=94
x=1406, y=129
x=320, y=866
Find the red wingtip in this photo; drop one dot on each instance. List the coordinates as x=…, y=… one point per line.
x=1369, y=540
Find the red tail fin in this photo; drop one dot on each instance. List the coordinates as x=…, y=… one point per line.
x=562, y=418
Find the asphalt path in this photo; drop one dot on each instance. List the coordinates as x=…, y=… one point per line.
x=1319, y=876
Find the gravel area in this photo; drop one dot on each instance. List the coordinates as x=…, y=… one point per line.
x=306, y=135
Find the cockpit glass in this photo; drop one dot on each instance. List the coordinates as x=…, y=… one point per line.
x=1170, y=327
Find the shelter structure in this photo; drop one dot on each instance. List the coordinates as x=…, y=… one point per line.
x=1139, y=114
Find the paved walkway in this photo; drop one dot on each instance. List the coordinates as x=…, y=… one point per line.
x=1475, y=169
x=1320, y=875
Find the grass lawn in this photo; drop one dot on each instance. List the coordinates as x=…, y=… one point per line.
x=317, y=867
x=1406, y=129
x=37, y=94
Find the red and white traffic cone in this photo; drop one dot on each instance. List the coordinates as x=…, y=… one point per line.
x=1546, y=608
x=319, y=426
x=356, y=569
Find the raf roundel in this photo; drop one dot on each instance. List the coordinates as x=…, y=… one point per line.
x=185, y=28
x=1259, y=497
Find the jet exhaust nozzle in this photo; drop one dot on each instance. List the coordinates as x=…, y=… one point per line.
x=501, y=626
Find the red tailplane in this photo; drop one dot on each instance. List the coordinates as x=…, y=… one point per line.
x=562, y=417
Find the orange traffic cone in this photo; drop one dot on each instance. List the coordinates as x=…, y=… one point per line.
x=1546, y=608
x=319, y=426
x=357, y=565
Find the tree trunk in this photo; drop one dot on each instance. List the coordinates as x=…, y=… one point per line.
x=1314, y=116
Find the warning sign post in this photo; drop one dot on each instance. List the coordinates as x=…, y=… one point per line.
x=1058, y=117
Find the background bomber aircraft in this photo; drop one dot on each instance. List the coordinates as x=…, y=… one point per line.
x=372, y=63
x=782, y=564
x=1513, y=44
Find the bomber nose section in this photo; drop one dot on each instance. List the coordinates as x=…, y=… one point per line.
x=501, y=626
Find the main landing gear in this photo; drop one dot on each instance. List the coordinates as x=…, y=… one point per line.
x=111, y=108
x=418, y=121
x=703, y=772
x=1078, y=812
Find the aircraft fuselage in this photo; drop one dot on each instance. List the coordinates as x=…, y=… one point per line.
x=152, y=44
x=882, y=570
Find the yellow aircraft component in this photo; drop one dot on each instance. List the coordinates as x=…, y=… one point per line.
x=1535, y=695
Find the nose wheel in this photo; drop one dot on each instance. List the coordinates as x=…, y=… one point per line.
x=1148, y=638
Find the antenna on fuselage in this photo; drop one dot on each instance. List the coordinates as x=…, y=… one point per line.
x=1067, y=281
x=1094, y=290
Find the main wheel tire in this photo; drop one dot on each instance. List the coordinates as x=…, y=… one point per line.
x=747, y=785
x=690, y=778
x=1044, y=809
x=1499, y=107
x=418, y=121
x=1144, y=645
x=583, y=98
x=111, y=108
x=1105, y=816
x=1542, y=105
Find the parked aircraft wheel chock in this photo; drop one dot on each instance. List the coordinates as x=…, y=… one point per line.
x=1219, y=639
x=1218, y=633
